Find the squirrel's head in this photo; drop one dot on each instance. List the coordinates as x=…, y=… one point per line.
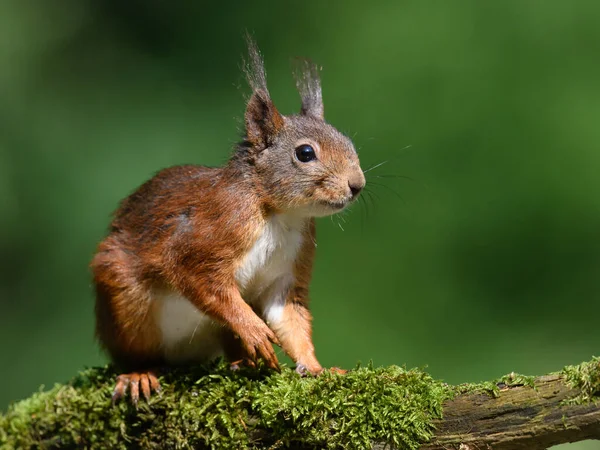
x=304, y=165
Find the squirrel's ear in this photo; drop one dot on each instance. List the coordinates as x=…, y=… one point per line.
x=309, y=87
x=263, y=121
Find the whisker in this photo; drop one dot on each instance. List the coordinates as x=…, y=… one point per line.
x=372, y=196
x=368, y=198
x=371, y=192
x=194, y=332
x=375, y=166
x=363, y=214
x=386, y=161
x=404, y=177
x=390, y=189
x=359, y=202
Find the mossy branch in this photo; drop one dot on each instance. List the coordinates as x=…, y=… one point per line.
x=524, y=412
x=367, y=408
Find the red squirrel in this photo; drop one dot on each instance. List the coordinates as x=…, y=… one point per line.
x=201, y=262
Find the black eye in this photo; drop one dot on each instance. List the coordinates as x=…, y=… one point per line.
x=305, y=153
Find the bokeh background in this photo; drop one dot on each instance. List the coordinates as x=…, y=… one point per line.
x=477, y=249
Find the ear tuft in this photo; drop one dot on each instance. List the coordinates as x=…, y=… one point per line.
x=263, y=121
x=309, y=87
x=254, y=67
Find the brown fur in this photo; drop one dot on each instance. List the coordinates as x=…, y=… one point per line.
x=189, y=227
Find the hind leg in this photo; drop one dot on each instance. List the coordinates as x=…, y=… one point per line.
x=125, y=324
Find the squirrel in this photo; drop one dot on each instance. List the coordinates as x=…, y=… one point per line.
x=202, y=262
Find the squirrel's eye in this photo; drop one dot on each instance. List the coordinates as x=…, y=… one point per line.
x=305, y=153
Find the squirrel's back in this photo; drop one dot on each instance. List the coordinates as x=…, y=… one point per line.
x=167, y=187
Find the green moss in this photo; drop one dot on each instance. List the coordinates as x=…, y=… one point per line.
x=494, y=388
x=214, y=407
x=586, y=378
x=487, y=388
x=516, y=379
x=387, y=404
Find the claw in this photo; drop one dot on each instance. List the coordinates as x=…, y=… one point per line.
x=274, y=340
x=120, y=388
x=273, y=364
x=145, y=385
x=154, y=384
x=134, y=387
x=132, y=381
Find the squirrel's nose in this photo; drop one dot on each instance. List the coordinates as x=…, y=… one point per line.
x=356, y=182
x=355, y=187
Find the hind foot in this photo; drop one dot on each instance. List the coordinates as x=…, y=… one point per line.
x=147, y=381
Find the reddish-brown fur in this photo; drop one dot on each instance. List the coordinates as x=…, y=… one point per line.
x=189, y=228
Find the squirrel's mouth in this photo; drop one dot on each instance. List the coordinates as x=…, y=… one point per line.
x=335, y=205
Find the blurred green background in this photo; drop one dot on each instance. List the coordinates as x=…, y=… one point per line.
x=484, y=260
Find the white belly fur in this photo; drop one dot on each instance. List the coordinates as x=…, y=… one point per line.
x=187, y=334
x=264, y=278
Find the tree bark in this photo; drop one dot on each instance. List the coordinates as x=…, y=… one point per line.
x=521, y=417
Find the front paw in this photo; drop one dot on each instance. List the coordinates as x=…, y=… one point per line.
x=257, y=340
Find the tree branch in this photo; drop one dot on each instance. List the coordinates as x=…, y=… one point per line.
x=380, y=408
x=521, y=417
